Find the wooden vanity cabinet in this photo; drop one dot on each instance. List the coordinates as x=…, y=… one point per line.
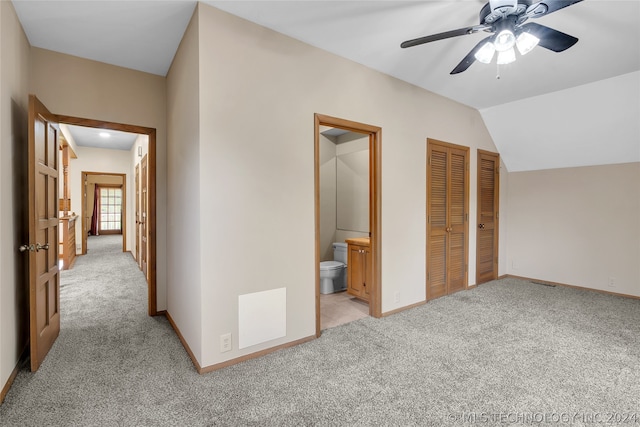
x=359, y=268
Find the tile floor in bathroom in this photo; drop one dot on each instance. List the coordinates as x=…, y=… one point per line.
x=340, y=308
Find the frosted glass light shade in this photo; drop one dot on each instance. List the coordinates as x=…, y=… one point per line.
x=485, y=53
x=504, y=40
x=506, y=57
x=526, y=42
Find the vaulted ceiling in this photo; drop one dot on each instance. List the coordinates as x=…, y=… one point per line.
x=579, y=107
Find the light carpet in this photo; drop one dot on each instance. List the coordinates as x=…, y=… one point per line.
x=506, y=349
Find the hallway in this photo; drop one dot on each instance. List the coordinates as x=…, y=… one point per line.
x=109, y=350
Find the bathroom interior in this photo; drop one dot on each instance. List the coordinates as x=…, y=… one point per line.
x=344, y=225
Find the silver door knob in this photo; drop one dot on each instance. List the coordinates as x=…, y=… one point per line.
x=25, y=248
x=40, y=247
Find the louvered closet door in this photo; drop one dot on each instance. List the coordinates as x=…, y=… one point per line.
x=487, y=232
x=447, y=218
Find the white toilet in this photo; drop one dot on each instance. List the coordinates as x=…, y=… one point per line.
x=333, y=274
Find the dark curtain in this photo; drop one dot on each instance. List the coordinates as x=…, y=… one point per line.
x=96, y=211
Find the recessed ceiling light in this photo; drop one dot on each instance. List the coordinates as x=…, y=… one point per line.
x=105, y=135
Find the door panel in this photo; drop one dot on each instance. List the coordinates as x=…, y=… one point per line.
x=488, y=203
x=143, y=220
x=368, y=272
x=44, y=277
x=437, y=275
x=456, y=271
x=137, y=191
x=447, y=218
x=354, y=269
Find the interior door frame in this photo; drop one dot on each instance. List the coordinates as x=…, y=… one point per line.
x=375, y=198
x=85, y=175
x=151, y=253
x=496, y=206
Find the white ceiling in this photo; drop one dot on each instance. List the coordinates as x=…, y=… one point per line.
x=91, y=137
x=144, y=35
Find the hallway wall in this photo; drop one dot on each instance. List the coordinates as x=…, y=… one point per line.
x=14, y=65
x=79, y=87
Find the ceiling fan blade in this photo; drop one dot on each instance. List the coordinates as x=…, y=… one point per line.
x=470, y=58
x=546, y=7
x=441, y=36
x=551, y=39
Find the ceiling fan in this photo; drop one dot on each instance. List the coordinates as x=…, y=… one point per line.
x=505, y=19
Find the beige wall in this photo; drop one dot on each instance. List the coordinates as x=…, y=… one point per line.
x=79, y=87
x=14, y=65
x=184, y=187
x=258, y=93
x=577, y=226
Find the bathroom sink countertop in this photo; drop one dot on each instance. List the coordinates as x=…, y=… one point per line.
x=362, y=241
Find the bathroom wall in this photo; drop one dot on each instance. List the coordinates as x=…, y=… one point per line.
x=344, y=189
x=352, y=169
x=328, y=220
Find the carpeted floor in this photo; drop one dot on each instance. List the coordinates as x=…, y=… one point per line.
x=507, y=352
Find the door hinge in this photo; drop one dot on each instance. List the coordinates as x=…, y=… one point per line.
x=497, y=215
x=466, y=217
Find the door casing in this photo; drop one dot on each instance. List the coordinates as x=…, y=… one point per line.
x=152, y=253
x=85, y=226
x=375, y=198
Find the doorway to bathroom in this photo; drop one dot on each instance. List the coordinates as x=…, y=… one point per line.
x=347, y=220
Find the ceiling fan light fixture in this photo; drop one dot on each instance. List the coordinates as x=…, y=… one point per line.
x=485, y=53
x=526, y=42
x=504, y=40
x=506, y=57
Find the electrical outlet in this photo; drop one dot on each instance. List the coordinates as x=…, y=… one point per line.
x=612, y=282
x=396, y=297
x=514, y=264
x=225, y=343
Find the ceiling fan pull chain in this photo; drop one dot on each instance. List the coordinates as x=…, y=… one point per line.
x=497, y=71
